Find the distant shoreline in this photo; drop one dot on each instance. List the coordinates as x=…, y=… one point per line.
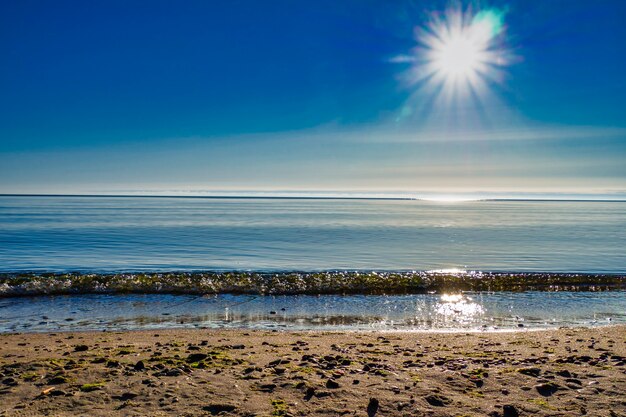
x=324, y=197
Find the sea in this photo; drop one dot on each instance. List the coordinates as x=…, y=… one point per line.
x=109, y=234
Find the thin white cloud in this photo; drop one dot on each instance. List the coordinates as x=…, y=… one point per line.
x=402, y=59
x=538, y=133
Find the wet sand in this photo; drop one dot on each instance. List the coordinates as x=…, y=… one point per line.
x=565, y=372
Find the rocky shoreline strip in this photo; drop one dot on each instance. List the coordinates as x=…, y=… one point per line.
x=275, y=283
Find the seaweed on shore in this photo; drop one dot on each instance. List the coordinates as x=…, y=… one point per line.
x=326, y=282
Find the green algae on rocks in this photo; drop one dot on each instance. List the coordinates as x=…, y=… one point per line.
x=326, y=282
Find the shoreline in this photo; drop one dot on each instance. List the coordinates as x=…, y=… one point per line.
x=356, y=331
x=465, y=311
x=288, y=332
x=570, y=371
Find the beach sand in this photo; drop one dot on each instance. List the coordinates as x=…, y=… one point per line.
x=565, y=372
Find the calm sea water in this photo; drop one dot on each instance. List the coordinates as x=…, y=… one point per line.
x=130, y=234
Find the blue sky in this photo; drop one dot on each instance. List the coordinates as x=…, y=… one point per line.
x=165, y=96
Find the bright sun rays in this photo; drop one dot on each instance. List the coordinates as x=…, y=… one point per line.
x=459, y=54
x=460, y=51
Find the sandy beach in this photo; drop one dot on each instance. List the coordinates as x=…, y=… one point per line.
x=565, y=372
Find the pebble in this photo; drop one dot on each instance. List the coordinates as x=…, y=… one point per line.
x=218, y=408
x=372, y=407
x=547, y=389
x=509, y=411
x=564, y=373
x=437, y=400
x=267, y=387
x=332, y=384
x=174, y=372
x=126, y=396
x=9, y=381
x=530, y=371
x=197, y=357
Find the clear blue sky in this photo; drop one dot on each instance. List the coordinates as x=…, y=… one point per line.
x=121, y=96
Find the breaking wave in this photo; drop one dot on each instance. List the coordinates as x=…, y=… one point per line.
x=293, y=282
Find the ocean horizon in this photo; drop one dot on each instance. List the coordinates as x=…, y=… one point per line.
x=337, y=195
x=132, y=233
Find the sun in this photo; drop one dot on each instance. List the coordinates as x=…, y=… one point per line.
x=459, y=52
x=458, y=57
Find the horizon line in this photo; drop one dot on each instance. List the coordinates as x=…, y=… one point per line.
x=312, y=197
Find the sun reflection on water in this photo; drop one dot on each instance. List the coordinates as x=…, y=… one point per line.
x=457, y=307
x=447, y=271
